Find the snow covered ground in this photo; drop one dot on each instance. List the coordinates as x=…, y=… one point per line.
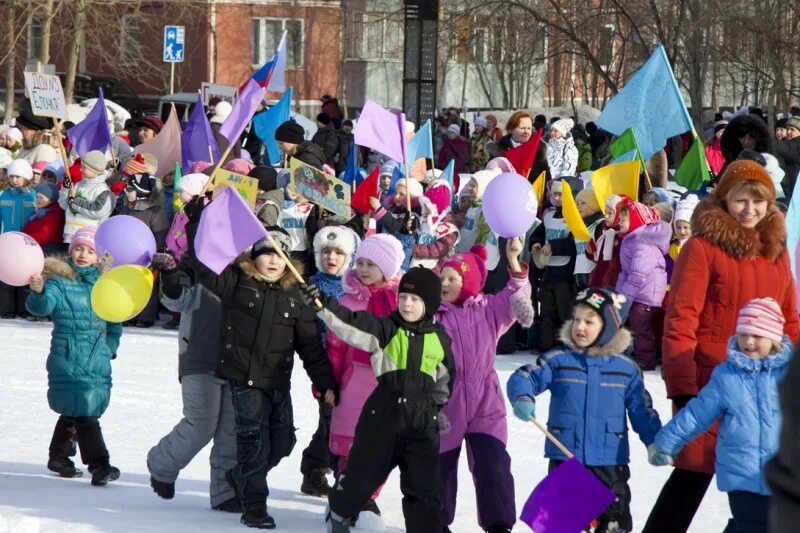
x=145, y=404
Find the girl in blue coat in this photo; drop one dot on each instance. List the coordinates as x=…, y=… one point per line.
x=743, y=390
x=592, y=387
x=79, y=364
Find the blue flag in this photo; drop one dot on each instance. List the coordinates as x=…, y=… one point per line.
x=793, y=228
x=266, y=122
x=651, y=104
x=91, y=133
x=421, y=144
x=447, y=176
x=197, y=141
x=397, y=175
x=627, y=156
x=351, y=168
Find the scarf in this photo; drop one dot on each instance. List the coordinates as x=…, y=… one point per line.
x=329, y=284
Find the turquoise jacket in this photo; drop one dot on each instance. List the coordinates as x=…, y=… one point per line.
x=17, y=206
x=82, y=344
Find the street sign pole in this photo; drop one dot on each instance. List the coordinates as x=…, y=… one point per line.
x=172, y=78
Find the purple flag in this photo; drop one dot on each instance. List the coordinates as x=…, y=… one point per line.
x=243, y=110
x=382, y=130
x=567, y=500
x=227, y=228
x=91, y=133
x=197, y=141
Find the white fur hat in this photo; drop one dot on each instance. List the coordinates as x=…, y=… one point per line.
x=221, y=112
x=339, y=237
x=563, y=126
x=414, y=186
x=685, y=208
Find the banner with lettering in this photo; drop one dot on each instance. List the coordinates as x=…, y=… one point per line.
x=247, y=186
x=46, y=95
x=320, y=188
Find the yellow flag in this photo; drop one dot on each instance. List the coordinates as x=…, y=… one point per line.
x=571, y=215
x=538, y=186
x=619, y=178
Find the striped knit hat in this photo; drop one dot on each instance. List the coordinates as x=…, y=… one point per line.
x=83, y=237
x=761, y=317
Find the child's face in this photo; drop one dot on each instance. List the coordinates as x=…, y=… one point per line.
x=400, y=195
x=17, y=181
x=385, y=181
x=332, y=260
x=555, y=198
x=411, y=307
x=368, y=272
x=37, y=177
x=473, y=190
x=753, y=346
x=586, y=326
x=270, y=265
x=49, y=177
x=42, y=200
x=451, y=284
x=83, y=256
x=683, y=230
x=624, y=220
x=611, y=214
x=584, y=209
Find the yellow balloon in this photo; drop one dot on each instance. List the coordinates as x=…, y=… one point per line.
x=121, y=293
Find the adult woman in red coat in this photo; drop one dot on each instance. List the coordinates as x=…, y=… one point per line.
x=737, y=253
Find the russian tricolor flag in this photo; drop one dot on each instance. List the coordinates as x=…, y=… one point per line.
x=271, y=75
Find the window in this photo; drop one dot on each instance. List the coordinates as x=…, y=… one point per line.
x=479, y=41
x=373, y=36
x=605, y=49
x=34, y=39
x=267, y=33
x=129, y=40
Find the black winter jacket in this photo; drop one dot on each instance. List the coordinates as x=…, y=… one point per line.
x=263, y=324
x=310, y=154
x=327, y=139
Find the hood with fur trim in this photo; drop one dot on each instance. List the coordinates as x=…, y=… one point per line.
x=287, y=281
x=712, y=222
x=617, y=346
x=59, y=266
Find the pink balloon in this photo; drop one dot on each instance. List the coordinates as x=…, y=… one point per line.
x=509, y=205
x=20, y=258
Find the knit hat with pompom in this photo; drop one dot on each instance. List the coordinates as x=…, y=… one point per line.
x=471, y=266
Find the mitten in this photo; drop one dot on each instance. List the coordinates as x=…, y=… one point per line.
x=524, y=408
x=311, y=295
x=658, y=458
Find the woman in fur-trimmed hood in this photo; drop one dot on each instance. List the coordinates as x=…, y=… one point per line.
x=737, y=254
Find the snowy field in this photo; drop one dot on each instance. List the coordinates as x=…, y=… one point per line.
x=145, y=404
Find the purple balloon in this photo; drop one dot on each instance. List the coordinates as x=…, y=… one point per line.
x=509, y=205
x=124, y=240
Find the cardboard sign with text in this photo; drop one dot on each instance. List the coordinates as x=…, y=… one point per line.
x=320, y=188
x=46, y=94
x=223, y=92
x=247, y=186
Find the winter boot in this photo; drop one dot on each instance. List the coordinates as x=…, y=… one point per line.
x=165, y=490
x=335, y=523
x=229, y=506
x=315, y=484
x=63, y=467
x=612, y=527
x=259, y=519
x=171, y=324
x=103, y=473
x=369, y=517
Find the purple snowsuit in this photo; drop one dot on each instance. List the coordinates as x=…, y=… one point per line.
x=476, y=409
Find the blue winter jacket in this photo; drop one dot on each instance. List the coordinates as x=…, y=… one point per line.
x=17, y=205
x=590, y=392
x=744, y=392
x=82, y=344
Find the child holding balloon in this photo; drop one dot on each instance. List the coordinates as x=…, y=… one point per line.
x=79, y=363
x=17, y=206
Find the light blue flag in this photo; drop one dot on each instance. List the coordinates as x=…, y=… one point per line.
x=793, y=227
x=421, y=144
x=397, y=175
x=627, y=156
x=267, y=122
x=447, y=175
x=651, y=104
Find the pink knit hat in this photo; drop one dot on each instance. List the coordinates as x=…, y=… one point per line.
x=383, y=250
x=471, y=266
x=761, y=317
x=83, y=237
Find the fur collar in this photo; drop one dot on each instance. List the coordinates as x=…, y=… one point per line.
x=61, y=267
x=772, y=362
x=712, y=223
x=617, y=346
x=287, y=281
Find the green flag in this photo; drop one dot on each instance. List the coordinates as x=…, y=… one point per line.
x=624, y=145
x=177, y=205
x=693, y=171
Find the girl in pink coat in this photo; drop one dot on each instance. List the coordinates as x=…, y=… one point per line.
x=476, y=410
x=372, y=286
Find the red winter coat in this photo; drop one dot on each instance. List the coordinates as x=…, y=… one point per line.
x=47, y=229
x=718, y=271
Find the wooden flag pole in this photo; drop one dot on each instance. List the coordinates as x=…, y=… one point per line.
x=408, y=189
x=222, y=158
x=552, y=438
x=646, y=179
x=61, y=148
x=289, y=264
x=210, y=155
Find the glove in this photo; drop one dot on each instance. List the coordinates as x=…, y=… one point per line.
x=682, y=400
x=67, y=184
x=524, y=408
x=658, y=458
x=410, y=224
x=310, y=294
x=163, y=261
x=444, y=423
x=194, y=208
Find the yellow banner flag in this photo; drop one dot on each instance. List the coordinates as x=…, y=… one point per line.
x=619, y=178
x=571, y=215
x=538, y=186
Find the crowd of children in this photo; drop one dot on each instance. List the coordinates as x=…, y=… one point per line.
x=398, y=325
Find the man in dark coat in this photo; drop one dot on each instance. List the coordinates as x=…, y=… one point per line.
x=326, y=139
x=789, y=151
x=291, y=140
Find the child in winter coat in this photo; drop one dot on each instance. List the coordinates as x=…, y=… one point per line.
x=682, y=224
x=743, y=391
x=592, y=388
x=79, y=364
x=46, y=225
x=334, y=252
x=259, y=301
x=589, y=210
x=476, y=410
x=604, y=246
x=400, y=422
x=189, y=186
x=17, y=206
x=371, y=286
x=437, y=234
x=643, y=275
x=90, y=201
x=473, y=228
x=562, y=154
x=393, y=216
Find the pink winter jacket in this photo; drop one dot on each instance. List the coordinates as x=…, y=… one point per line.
x=351, y=367
x=477, y=404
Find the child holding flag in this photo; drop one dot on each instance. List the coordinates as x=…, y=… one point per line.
x=592, y=388
x=437, y=234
